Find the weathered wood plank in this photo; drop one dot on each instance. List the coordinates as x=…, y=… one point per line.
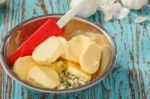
x=130, y=78
x=0, y=80
x=129, y=39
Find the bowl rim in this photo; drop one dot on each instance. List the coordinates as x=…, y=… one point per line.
x=77, y=89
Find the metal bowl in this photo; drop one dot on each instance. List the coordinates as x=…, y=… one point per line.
x=17, y=35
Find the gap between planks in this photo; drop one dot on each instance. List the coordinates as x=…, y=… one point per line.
x=0, y=80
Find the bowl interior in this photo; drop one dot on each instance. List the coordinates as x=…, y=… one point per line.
x=75, y=26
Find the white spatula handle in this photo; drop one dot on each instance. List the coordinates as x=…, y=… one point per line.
x=71, y=13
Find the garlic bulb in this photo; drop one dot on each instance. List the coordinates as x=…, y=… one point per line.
x=112, y=8
x=120, y=12
x=134, y=4
x=88, y=9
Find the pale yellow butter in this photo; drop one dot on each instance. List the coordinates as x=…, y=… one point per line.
x=43, y=76
x=75, y=70
x=90, y=58
x=74, y=47
x=22, y=66
x=49, y=51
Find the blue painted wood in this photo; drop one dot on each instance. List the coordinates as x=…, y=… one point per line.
x=130, y=78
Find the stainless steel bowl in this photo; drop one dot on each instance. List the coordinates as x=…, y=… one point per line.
x=19, y=34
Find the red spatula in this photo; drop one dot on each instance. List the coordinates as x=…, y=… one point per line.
x=48, y=29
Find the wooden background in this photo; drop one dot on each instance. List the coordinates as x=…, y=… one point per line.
x=130, y=77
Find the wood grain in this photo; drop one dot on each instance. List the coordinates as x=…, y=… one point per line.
x=130, y=77
x=0, y=80
x=0, y=75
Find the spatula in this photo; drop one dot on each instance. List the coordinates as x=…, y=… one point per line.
x=48, y=29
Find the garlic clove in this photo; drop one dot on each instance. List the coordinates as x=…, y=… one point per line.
x=120, y=12
x=88, y=10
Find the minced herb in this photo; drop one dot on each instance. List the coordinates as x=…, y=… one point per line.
x=68, y=80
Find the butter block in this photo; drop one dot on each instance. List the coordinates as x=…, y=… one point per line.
x=72, y=50
x=62, y=40
x=106, y=57
x=98, y=38
x=75, y=70
x=43, y=76
x=22, y=66
x=58, y=66
x=90, y=58
x=49, y=51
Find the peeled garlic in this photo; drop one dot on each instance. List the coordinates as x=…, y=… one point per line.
x=88, y=9
x=134, y=4
x=112, y=8
x=120, y=12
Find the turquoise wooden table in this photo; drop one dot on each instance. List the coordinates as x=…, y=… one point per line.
x=130, y=77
